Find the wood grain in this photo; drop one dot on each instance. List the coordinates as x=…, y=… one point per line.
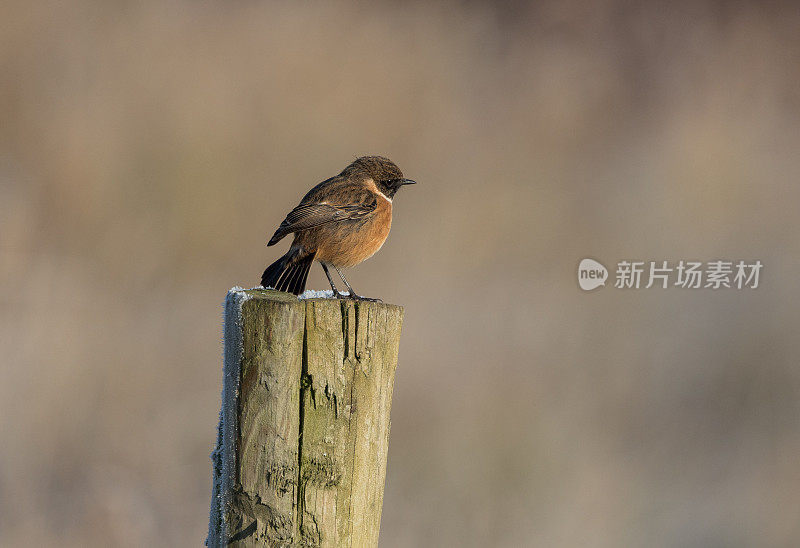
x=312, y=414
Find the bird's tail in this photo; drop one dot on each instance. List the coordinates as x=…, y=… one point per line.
x=290, y=272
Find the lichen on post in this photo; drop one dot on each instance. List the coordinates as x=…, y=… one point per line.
x=309, y=391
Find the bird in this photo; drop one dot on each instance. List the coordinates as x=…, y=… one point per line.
x=340, y=223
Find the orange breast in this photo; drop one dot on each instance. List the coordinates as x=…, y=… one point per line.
x=348, y=243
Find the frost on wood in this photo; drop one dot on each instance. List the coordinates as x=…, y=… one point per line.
x=307, y=294
x=304, y=426
x=222, y=472
x=315, y=294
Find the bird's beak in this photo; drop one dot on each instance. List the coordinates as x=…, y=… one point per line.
x=401, y=182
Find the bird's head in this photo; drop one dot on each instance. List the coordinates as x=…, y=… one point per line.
x=387, y=176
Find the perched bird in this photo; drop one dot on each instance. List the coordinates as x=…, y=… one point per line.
x=340, y=223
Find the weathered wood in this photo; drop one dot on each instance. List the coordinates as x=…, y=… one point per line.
x=309, y=390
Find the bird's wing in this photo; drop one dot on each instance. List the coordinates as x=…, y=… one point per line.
x=309, y=215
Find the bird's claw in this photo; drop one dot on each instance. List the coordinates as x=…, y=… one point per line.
x=368, y=299
x=356, y=297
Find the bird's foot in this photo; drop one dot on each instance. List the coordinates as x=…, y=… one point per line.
x=357, y=297
x=340, y=295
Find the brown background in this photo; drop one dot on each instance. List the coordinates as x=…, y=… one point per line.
x=148, y=150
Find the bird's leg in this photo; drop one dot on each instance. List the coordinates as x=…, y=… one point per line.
x=333, y=285
x=353, y=294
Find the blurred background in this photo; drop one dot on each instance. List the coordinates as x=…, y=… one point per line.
x=149, y=149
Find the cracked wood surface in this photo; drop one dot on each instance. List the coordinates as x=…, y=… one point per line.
x=312, y=412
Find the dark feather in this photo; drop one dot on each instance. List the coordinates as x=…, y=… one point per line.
x=309, y=215
x=289, y=273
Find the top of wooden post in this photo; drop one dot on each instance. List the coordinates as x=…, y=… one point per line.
x=309, y=295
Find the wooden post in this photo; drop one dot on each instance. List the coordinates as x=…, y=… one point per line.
x=304, y=426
